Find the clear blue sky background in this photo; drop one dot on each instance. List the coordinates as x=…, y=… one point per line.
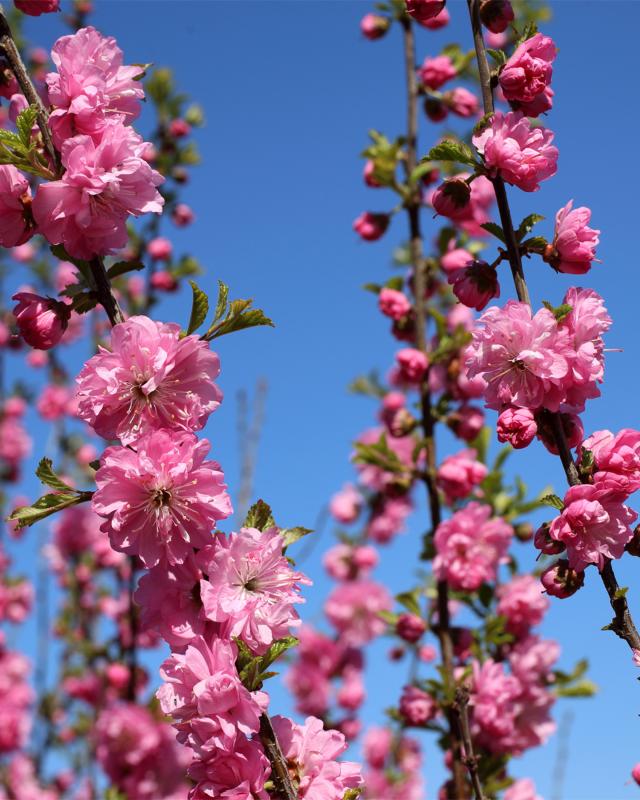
x=289, y=90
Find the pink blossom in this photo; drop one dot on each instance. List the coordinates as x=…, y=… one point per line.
x=455, y=259
x=410, y=627
x=251, y=587
x=413, y=364
x=516, y=426
x=527, y=73
x=474, y=284
x=353, y=609
x=169, y=602
x=346, y=504
x=574, y=242
x=617, y=459
x=532, y=660
x=179, y=128
x=559, y=580
x=53, y=401
x=37, y=7
x=424, y=10
x=351, y=694
x=377, y=746
x=524, y=359
x=237, y=774
x=204, y=695
x=160, y=249
x=523, y=789
x=103, y=184
x=182, y=215
x=516, y=151
x=374, y=26
x=311, y=754
x=416, y=706
x=41, y=320
x=470, y=546
x=151, y=378
x=16, y=225
x=388, y=518
x=16, y=697
x=462, y=102
x=15, y=443
x=593, y=526
x=164, y=281
x=347, y=562
x=437, y=71
x=496, y=15
x=393, y=304
x=466, y=422
x=161, y=500
x=92, y=87
x=459, y=474
x=370, y=226
x=521, y=601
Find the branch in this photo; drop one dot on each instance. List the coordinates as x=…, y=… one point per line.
x=622, y=624
x=469, y=758
x=105, y=293
x=281, y=776
x=12, y=54
x=427, y=419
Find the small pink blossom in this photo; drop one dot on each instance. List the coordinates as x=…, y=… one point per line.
x=574, y=242
x=416, y=706
x=593, y=526
x=346, y=504
x=239, y=773
x=470, y=546
x=527, y=73
x=312, y=753
x=467, y=422
x=523, y=789
x=251, y=587
x=462, y=102
x=616, y=459
x=370, y=226
x=374, y=26
x=424, y=10
x=151, y=378
x=459, y=474
x=410, y=627
x=182, y=215
x=437, y=71
x=353, y=609
x=164, y=281
x=41, y=320
x=521, y=601
x=516, y=151
x=348, y=562
x=162, y=499
x=160, y=249
x=16, y=225
x=474, y=284
x=517, y=426
x=393, y=304
x=53, y=402
x=413, y=365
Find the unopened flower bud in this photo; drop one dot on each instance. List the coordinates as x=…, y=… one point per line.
x=435, y=109
x=424, y=10
x=370, y=226
x=544, y=543
x=374, y=26
x=451, y=199
x=41, y=320
x=410, y=627
x=560, y=580
x=635, y=773
x=523, y=531
x=416, y=706
x=633, y=546
x=496, y=15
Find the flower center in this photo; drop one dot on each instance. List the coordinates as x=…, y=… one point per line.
x=161, y=498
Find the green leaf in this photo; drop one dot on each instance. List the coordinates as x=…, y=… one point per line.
x=47, y=505
x=279, y=647
x=259, y=516
x=352, y=794
x=499, y=56
x=199, y=308
x=552, y=500
x=410, y=601
x=122, y=267
x=221, y=305
x=291, y=535
x=389, y=617
x=620, y=592
x=58, y=250
x=48, y=476
x=24, y=123
x=527, y=225
x=559, y=312
x=379, y=454
x=368, y=385
x=585, y=688
x=535, y=243
x=84, y=302
x=495, y=230
x=451, y=150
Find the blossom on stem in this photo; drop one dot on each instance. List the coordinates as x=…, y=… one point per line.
x=616, y=459
x=474, y=284
x=574, y=242
x=435, y=72
x=162, y=499
x=526, y=76
x=522, y=603
x=16, y=223
x=517, y=426
x=353, y=609
x=37, y=7
x=41, y=320
x=459, y=474
x=424, y=10
x=370, y=226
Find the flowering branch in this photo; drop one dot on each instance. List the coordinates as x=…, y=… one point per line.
x=427, y=420
x=470, y=759
x=622, y=624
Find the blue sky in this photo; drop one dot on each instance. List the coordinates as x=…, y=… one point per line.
x=289, y=90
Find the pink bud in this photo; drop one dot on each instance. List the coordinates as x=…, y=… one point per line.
x=451, y=198
x=371, y=226
x=179, y=128
x=160, y=249
x=635, y=774
x=36, y=7
x=543, y=541
x=417, y=707
x=462, y=102
x=435, y=72
x=427, y=653
x=572, y=426
x=15, y=406
x=424, y=10
x=560, y=580
x=410, y=627
x=369, y=175
x=164, y=281
x=496, y=15
x=439, y=21
x=182, y=215
x=117, y=675
x=475, y=284
x=41, y=320
x=393, y=304
x=516, y=426
x=467, y=422
x=374, y=26
x=413, y=364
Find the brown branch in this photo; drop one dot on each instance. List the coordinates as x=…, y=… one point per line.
x=12, y=54
x=104, y=291
x=281, y=776
x=469, y=757
x=622, y=624
x=412, y=206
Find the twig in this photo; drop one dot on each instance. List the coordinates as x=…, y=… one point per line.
x=427, y=419
x=469, y=757
x=105, y=293
x=281, y=776
x=12, y=54
x=622, y=624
